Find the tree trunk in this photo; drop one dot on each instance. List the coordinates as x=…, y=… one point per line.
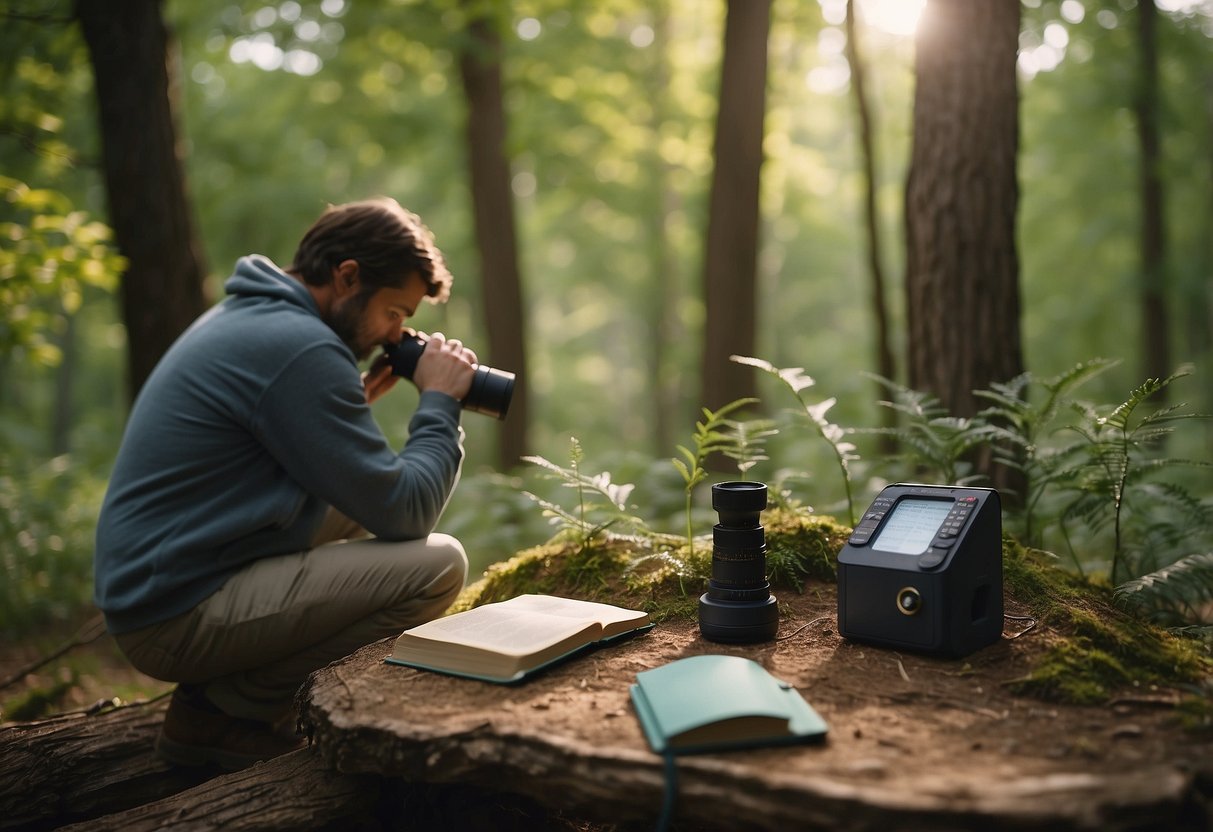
x=1154, y=318
x=885, y=365
x=731, y=251
x=962, y=269
x=65, y=378
x=665, y=329
x=145, y=185
x=493, y=214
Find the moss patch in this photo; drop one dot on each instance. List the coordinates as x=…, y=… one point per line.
x=657, y=575
x=1093, y=647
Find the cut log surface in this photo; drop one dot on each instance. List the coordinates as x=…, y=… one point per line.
x=915, y=742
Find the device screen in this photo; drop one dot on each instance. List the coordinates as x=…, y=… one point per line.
x=912, y=526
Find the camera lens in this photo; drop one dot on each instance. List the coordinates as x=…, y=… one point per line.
x=490, y=392
x=491, y=389
x=738, y=607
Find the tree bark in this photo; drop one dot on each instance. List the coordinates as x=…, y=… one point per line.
x=72, y=768
x=493, y=215
x=664, y=322
x=885, y=364
x=145, y=184
x=962, y=268
x=65, y=387
x=731, y=251
x=1155, y=323
x=291, y=792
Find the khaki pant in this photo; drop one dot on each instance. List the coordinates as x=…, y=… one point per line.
x=256, y=640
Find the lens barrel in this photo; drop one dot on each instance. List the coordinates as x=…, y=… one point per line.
x=738, y=607
x=491, y=388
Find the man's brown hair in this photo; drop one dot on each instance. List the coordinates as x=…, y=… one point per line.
x=388, y=242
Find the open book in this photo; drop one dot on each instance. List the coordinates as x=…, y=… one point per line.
x=716, y=703
x=509, y=640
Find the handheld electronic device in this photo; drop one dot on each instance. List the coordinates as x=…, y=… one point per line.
x=923, y=570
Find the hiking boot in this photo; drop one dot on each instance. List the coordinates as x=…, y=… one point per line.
x=196, y=733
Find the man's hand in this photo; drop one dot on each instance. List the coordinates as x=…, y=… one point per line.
x=445, y=366
x=378, y=379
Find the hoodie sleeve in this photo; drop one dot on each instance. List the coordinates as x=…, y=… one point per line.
x=314, y=418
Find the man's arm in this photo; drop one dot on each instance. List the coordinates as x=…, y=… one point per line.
x=315, y=420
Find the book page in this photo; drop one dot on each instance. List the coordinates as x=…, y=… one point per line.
x=605, y=614
x=502, y=629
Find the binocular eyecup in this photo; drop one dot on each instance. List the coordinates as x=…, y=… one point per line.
x=491, y=388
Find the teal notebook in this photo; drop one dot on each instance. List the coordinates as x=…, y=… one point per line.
x=718, y=703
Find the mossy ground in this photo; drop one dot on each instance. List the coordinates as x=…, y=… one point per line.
x=1089, y=651
x=1094, y=649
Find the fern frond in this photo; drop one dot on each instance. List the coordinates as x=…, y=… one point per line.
x=558, y=514
x=1174, y=595
x=749, y=438
x=796, y=381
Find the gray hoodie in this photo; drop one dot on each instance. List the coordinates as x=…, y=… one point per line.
x=254, y=423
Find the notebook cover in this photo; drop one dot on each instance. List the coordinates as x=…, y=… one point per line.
x=700, y=690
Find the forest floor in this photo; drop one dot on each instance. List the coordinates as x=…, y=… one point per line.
x=90, y=672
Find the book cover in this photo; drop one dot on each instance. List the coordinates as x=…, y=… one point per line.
x=716, y=703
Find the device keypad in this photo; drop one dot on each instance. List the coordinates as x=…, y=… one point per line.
x=871, y=519
x=948, y=533
x=954, y=522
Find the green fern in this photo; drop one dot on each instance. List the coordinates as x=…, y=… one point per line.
x=1018, y=428
x=578, y=521
x=715, y=433
x=795, y=379
x=1117, y=456
x=749, y=443
x=932, y=440
x=1176, y=596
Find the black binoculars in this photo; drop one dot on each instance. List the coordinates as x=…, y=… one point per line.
x=491, y=389
x=738, y=607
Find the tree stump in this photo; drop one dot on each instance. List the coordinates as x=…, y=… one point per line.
x=915, y=742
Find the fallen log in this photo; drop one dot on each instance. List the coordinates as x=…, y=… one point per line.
x=81, y=766
x=292, y=792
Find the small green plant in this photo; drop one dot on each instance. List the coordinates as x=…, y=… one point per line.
x=934, y=441
x=715, y=433
x=1179, y=595
x=795, y=379
x=749, y=443
x=581, y=522
x=48, y=517
x=1118, y=453
x=1019, y=427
